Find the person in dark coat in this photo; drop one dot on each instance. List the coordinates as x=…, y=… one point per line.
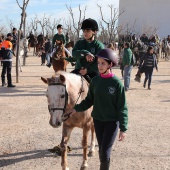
x=149, y=62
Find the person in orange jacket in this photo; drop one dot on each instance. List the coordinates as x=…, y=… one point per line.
x=7, y=53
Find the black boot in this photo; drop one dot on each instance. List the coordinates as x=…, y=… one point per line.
x=11, y=85
x=104, y=165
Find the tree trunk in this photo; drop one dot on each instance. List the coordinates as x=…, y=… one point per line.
x=17, y=57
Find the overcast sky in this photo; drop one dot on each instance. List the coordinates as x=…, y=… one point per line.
x=54, y=8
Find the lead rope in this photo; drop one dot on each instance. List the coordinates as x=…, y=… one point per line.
x=66, y=116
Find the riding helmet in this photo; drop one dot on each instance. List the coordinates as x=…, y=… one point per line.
x=108, y=54
x=90, y=24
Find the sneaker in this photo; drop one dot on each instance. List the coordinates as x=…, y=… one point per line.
x=149, y=88
x=11, y=85
x=144, y=85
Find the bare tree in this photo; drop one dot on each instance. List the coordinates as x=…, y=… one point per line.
x=28, y=28
x=53, y=26
x=149, y=30
x=69, y=29
x=1, y=28
x=34, y=25
x=77, y=25
x=22, y=25
x=43, y=22
x=23, y=14
x=10, y=23
x=112, y=22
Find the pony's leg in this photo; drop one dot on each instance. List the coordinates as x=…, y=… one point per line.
x=66, y=132
x=85, y=147
x=92, y=145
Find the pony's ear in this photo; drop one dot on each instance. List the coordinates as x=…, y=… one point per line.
x=62, y=78
x=44, y=80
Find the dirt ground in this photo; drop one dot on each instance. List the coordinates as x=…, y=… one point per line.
x=25, y=134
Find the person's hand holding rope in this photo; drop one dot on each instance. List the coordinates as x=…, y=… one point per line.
x=90, y=57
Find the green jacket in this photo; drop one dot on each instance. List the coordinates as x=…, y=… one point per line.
x=107, y=96
x=127, y=57
x=58, y=37
x=81, y=49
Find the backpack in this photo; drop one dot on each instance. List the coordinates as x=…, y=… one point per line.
x=133, y=60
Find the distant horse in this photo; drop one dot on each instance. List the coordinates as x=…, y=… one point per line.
x=63, y=92
x=23, y=45
x=32, y=41
x=58, y=57
x=164, y=50
x=40, y=42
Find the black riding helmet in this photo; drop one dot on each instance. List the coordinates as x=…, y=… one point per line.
x=90, y=24
x=108, y=54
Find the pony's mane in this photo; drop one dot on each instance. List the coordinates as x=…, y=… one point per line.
x=69, y=76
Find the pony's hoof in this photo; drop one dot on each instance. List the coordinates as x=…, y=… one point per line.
x=91, y=154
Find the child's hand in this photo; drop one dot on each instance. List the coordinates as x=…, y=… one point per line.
x=83, y=71
x=122, y=136
x=89, y=57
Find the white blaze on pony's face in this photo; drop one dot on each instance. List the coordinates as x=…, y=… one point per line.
x=57, y=98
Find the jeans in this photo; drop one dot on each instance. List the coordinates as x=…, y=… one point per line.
x=127, y=73
x=106, y=132
x=48, y=55
x=148, y=75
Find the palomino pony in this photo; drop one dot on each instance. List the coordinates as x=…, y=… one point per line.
x=23, y=45
x=63, y=92
x=58, y=57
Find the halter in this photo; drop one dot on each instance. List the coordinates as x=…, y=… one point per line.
x=65, y=116
x=66, y=98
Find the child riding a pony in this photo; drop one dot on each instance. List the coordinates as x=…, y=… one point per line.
x=85, y=50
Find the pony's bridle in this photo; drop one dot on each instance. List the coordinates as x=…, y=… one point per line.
x=66, y=98
x=65, y=116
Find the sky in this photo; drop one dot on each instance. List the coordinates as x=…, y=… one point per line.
x=9, y=9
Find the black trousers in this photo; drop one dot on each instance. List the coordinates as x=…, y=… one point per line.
x=6, y=68
x=106, y=132
x=148, y=75
x=43, y=56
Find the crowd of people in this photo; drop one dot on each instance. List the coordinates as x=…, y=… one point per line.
x=96, y=64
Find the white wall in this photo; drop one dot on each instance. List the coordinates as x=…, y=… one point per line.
x=147, y=13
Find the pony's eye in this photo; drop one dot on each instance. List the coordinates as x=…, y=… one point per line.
x=62, y=96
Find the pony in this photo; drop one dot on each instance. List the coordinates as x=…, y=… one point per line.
x=58, y=57
x=63, y=92
x=23, y=45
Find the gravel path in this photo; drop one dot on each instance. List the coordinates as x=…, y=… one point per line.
x=25, y=134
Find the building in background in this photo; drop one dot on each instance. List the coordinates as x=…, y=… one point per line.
x=145, y=16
